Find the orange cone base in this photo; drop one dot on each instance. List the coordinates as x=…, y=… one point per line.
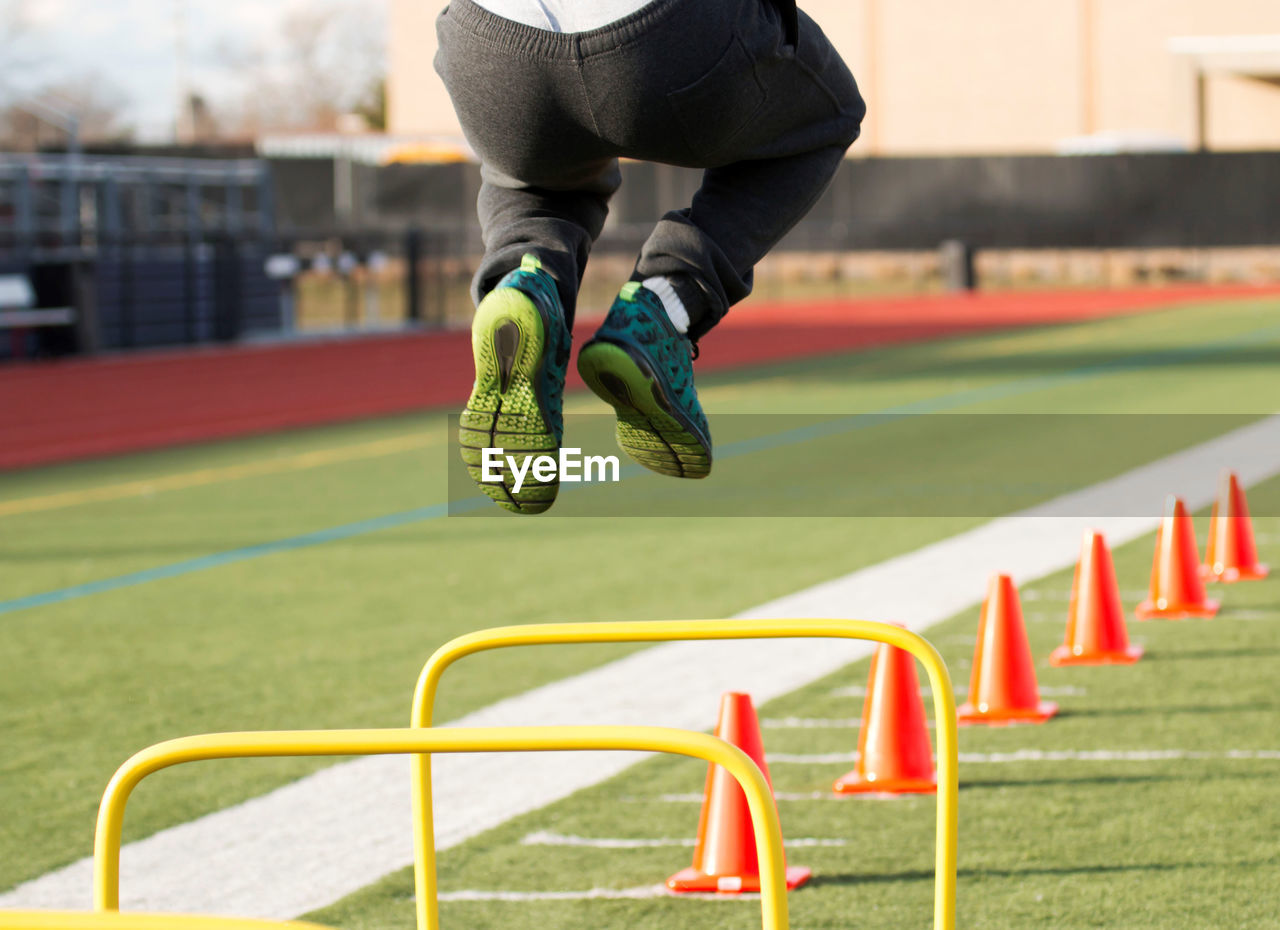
x=1150, y=610
x=969, y=715
x=691, y=880
x=1064, y=655
x=853, y=783
x=1232, y=575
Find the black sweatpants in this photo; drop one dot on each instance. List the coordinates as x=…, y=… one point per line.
x=746, y=89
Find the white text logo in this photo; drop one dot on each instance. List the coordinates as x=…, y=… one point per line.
x=570, y=466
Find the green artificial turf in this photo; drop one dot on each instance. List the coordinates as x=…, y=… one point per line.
x=333, y=635
x=1065, y=844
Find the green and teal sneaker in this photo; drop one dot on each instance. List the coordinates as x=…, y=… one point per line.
x=521, y=348
x=643, y=367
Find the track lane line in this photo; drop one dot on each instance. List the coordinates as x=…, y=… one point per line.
x=180, y=481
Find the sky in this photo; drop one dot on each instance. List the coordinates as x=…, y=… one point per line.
x=131, y=46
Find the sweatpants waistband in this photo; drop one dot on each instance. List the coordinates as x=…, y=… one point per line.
x=544, y=43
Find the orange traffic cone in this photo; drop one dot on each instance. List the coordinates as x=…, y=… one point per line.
x=1176, y=589
x=894, y=755
x=1003, y=687
x=724, y=858
x=1231, y=554
x=1096, y=633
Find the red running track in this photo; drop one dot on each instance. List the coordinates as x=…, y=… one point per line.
x=82, y=408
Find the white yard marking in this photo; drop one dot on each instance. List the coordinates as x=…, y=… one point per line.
x=311, y=843
x=824, y=758
x=1112, y=755
x=1064, y=596
x=860, y=691
x=815, y=723
x=1231, y=614
x=809, y=723
x=1043, y=616
x=593, y=894
x=1051, y=596
x=693, y=798
x=1037, y=755
x=549, y=838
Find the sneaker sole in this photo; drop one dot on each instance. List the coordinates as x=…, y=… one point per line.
x=651, y=428
x=508, y=341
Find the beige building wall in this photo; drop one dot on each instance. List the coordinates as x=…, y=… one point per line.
x=989, y=76
x=1141, y=85
x=416, y=100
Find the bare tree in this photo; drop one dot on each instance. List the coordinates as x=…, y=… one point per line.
x=96, y=105
x=321, y=64
x=37, y=110
x=15, y=31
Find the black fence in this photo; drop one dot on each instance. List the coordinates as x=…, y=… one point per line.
x=218, y=265
x=208, y=291
x=1201, y=199
x=136, y=293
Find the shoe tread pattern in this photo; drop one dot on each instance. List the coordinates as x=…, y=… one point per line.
x=521, y=350
x=640, y=365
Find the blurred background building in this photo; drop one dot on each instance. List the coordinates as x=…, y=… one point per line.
x=999, y=76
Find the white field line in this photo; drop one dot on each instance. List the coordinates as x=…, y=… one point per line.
x=1045, y=755
x=693, y=797
x=549, y=838
x=1051, y=596
x=1112, y=755
x=815, y=723
x=1251, y=615
x=1043, y=616
x=1064, y=595
x=810, y=723
x=592, y=894
x=860, y=691
x=821, y=758
x=310, y=843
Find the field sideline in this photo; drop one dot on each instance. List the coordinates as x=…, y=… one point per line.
x=316, y=635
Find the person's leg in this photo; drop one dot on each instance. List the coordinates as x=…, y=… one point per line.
x=547, y=179
x=769, y=117
x=546, y=175
x=767, y=177
x=559, y=226
x=709, y=249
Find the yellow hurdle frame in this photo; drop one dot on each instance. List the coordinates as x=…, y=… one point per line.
x=106, y=844
x=944, y=708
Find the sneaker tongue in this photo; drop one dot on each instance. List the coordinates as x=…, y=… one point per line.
x=630, y=290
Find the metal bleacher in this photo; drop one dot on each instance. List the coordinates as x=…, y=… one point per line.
x=102, y=252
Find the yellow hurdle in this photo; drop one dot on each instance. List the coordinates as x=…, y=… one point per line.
x=944, y=705
x=114, y=920
x=106, y=845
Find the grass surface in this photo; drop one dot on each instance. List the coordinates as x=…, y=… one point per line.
x=334, y=634
x=1142, y=844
